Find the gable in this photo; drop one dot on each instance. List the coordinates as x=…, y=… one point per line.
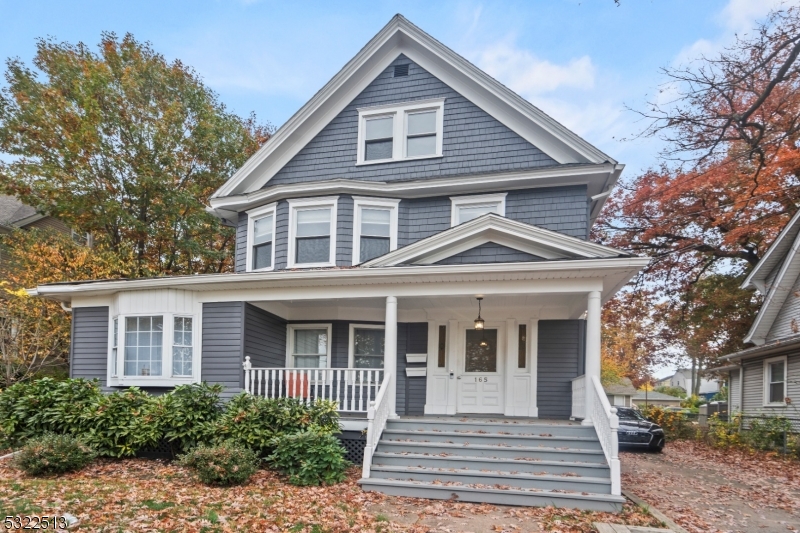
x=473, y=141
x=489, y=252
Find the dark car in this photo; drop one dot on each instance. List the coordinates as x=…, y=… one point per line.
x=637, y=431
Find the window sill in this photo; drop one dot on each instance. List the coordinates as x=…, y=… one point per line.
x=150, y=382
x=268, y=269
x=398, y=160
x=310, y=265
x=777, y=404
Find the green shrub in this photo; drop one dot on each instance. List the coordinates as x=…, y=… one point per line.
x=187, y=412
x=770, y=433
x=53, y=454
x=310, y=457
x=120, y=424
x=675, y=424
x=724, y=434
x=225, y=464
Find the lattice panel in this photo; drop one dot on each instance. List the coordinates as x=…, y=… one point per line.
x=355, y=450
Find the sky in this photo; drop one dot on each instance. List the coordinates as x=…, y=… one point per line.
x=586, y=63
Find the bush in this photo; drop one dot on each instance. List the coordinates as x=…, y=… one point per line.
x=310, y=457
x=675, y=424
x=770, y=433
x=187, y=412
x=724, y=434
x=53, y=454
x=225, y=464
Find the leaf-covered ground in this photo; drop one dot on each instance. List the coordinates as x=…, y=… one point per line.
x=709, y=490
x=146, y=495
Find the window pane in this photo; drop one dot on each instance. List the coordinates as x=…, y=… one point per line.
x=422, y=123
x=375, y=222
x=313, y=222
x=310, y=361
x=311, y=341
x=368, y=361
x=143, y=345
x=442, y=345
x=183, y=331
x=379, y=128
x=372, y=247
x=181, y=361
x=481, y=358
x=522, y=345
x=262, y=230
x=467, y=213
x=421, y=146
x=368, y=341
x=262, y=256
x=376, y=150
x=776, y=393
x=313, y=250
x=776, y=372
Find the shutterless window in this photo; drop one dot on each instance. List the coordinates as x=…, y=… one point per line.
x=442, y=346
x=375, y=233
x=421, y=134
x=262, y=242
x=114, y=346
x=470, y=212
x=368, y=347
x=310, y=348
x=143, y=345
x=777, y=382
x=182, y=347
x=378, y=138
x=313, y=235
x=522, y=343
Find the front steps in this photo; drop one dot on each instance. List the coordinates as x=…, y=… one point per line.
x=499, y=461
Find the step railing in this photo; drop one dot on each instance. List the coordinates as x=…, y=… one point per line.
x=606, y=424
x=377, y=415
x=579, y=398
x=351, y=388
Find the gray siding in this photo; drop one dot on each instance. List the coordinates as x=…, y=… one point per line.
x=240, y=257
x=264, y=338
x=89, y=347
x=734, y=402
x=344, y=231
x=562, y=209
x=489, y=252
x=473, y=141
x=223, y=345
x=421, y=218
x=754, y=388
x=559, y=361
x=788, y=320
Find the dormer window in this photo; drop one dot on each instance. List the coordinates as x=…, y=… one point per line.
x=466, y=208
x=399, y=132
x=260, y=238
x=312, y=232
x=375, y=227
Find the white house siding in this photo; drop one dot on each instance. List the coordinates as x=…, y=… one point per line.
x=734, y=398
x=754, y=388
x=788, y=320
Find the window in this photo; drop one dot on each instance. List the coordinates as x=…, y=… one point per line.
x=775, y=381
x=442, y=346
x=375, y=226
x=522, y=343
x=466, y=208
x=143, y=345
x=398, y=132
x=114, y=345
x=312, y=232
x=367, y=346
x=84, y=239
x=309, y=346
x=260, y=238
x=182, y=346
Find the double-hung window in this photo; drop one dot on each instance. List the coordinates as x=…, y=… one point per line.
x=367, y=346
x=309, y=345
x=260, y=238
x=466, y=208
x=182, y=346
x=312, y=239
x=375, y=228
x=775, y=381
x=398, y=132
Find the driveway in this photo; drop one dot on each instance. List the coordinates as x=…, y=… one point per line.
x=707, y=490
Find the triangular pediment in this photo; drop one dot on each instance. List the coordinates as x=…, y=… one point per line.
x=537, y=243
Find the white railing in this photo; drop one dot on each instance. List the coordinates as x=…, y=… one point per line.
x=606, y=424
x=351, y=388
x=579, y=397
x=377, y=415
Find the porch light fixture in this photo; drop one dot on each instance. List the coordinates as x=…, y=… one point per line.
x=479, y=323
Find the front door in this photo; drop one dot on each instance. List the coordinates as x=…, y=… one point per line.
x=480, y=377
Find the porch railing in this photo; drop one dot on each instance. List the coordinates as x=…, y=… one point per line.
x=377, y=415
x=351, y=388
x=606, y=424
x=579, y=397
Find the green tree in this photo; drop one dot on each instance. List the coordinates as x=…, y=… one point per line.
x=127, y=146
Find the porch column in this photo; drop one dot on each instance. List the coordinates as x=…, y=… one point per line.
x=592, y=366
x=390, y=353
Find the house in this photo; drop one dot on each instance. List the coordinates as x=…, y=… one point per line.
x=641, y=399
x=683, y=378
x=412, y=244
x=619, y=394
x=16, y=215
x=765, y=378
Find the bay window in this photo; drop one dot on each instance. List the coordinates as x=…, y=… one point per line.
x=260, y=238
x=182, y=346
x=312, y=232
x=375, y=228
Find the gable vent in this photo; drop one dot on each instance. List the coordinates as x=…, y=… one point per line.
x=400, y=70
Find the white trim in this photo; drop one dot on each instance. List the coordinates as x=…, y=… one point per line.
x=766, y=376
x=399, y=112
x=767, y=263
x=252, y=216
x=351, y=341
x=382, y=203
x=312, y=203
x=290, y=329
x=497, y=200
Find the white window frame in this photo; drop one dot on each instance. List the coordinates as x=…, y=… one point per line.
x=311, y=203
x=767, y=362
x=252, y=216
x=166, y=379
x=457, y=202
x=360, y=202
x=351, y=344
x=290, y=329
x=400, y=113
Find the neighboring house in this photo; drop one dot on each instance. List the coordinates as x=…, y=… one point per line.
x=683, y=378
x=16, y=215
x=765, y=379
x=641, y=399
x=409, y=190
x=619, y=394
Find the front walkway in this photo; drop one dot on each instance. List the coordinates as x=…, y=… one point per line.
x=706, y=490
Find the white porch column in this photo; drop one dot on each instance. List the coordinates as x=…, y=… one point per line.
x=390, y=353
x=592, y=367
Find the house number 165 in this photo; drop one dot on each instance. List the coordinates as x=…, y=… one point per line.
x=481, y=380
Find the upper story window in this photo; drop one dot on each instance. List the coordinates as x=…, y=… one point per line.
x=466, y=208
x=312, y=232
x=775, y=381
x=260, y=238
x=398, y=132
x=375, y=228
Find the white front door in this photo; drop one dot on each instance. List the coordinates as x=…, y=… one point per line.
x=481, y=384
